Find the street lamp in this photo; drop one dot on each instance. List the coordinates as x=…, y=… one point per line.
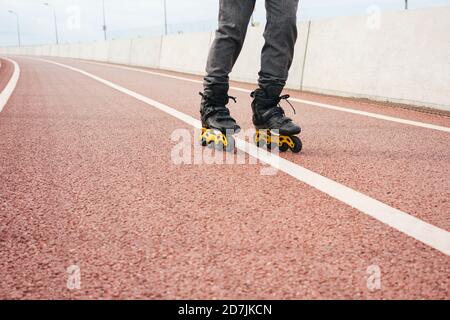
x=54, y=18
x=406, y=4
x=18, y=25
x=104, y=21
x=165, y=17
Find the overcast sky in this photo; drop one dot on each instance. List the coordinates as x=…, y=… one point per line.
x=82, y=20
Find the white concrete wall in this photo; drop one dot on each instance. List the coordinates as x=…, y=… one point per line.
x=186, y=52
x=38, y=51
x=100, y=51
x=249, y=63
x=119, y=51
x=54, y=51
x=87, y=52
x=404, y=57
x=45, y=51
x=146, y=52
x=74, y=51
x=297, y=68
x=64, y=50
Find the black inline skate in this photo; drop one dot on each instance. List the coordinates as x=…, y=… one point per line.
x=218, y=127
x=273, y=128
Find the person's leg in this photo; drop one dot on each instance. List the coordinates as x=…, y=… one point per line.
x=234, y=18
x=280, y=36
x=276, y=59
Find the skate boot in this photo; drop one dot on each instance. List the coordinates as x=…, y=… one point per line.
x=218, y=127
x=273, y=128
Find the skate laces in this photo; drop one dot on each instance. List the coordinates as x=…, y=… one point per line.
x=276, y=101
x=278, y=111
x=286, y=97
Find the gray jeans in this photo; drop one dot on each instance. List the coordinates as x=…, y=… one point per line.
x=280, y=36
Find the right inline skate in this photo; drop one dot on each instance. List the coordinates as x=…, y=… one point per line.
x=273, y=128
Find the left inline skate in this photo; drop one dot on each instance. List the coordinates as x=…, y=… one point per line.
x=218, y=127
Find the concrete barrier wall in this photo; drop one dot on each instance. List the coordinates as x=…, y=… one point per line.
x=119, y=51
x=65, y=50
x=249, y=62
x=146, y=52
x=42, y=51
x=54, y=51
x=74, y=51
x=87, y=52
x=185, y=53
x=100, y=51
x=406, y=59
x=38, y=51
x=402, y=57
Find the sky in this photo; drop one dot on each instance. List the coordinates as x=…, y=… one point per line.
x=82, y=20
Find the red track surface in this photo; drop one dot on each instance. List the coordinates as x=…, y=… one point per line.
x=87, y=179
x=6, y=70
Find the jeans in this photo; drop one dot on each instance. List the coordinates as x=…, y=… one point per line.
x=277, y=54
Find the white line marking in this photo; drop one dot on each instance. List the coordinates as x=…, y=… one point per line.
x=424, y=232
x=303, y=101
x=12, y=83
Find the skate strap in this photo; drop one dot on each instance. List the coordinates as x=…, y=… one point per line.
x=271, y=101
x=217, y=106
x=279, y=114
x=218, y=100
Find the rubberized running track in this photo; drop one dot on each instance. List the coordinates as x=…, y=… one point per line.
x=88, y=179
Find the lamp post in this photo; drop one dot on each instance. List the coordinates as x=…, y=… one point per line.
x=18, y=26
x=406, y=4
x=54, y=19
x=165, y=17
x=104, y=22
